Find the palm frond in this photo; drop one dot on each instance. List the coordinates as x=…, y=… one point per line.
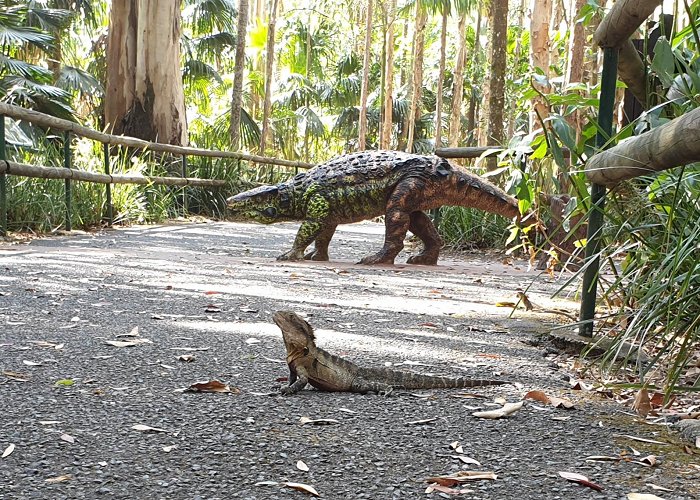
x=75, y=79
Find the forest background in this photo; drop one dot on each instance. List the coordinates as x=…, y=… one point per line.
x=311, y=79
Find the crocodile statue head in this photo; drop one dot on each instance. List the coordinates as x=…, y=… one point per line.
x=264, y=204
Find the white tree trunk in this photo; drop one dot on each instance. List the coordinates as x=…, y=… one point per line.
x=146, y=98
x=387, y=126
x=269, y=68
x=362, y=139
x=237, y=93
x=458, y=84
x=539, y=54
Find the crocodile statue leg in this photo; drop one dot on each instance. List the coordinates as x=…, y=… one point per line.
x=421, y=225
x=314, y=224
x=397, y=220
x=320, y=251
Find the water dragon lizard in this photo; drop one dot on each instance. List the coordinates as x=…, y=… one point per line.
x=308, y=364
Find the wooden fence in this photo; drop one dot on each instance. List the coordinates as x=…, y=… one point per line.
x=70, y=174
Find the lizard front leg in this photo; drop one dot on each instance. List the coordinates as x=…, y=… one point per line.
x=297, y=381
x=314, y=224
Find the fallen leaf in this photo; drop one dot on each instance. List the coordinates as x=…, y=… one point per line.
x=189, y=348
x=302, y=466
x=49, y=422
x=302, y=487
x=461, y=477
x=212, y=292
x=64, y=382
x=252, y=340
x=642, y=403
x=187, y=358
x=602, y=458
x=147, y=428
x=657, y=487
x=102, y=463
x=19, y=377
x=549, y=400
x=8, y=451
x=248, y=310
x=643, y=440
x=168, y=449
x=507, y=409
x=648, y=461
x=212, y=386
x=642, y=496
x=67, y=438
x=211, y=308
x=318, y=421
x=466, y=460
x=446, y=489
x=422, y=421
x=127, y=343
x=456, y=447
x=59, y=479
x=505, y=304
x=133, y=333
x=580, y=479
x=32, y=363
x=266, y=483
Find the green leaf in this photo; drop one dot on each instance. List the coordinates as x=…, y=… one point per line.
x=664, y=62
x=64, y=382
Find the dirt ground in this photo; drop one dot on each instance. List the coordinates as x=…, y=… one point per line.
x=76, y=397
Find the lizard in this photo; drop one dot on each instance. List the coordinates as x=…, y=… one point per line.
x=309, y=364
x=365, y=185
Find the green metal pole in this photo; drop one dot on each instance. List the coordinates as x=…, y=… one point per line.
x=67, y=164
x=606, y=110
x=108, y=187
x=184, y=188
x=3, y=181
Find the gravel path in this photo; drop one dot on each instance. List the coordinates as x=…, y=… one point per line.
x=70, y=400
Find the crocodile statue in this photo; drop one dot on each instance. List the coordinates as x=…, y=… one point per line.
x=364, y=185
x=308, y=364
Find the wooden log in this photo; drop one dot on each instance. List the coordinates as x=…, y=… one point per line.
x=12, y=168
x=37, y=118
x=670, y=145
x=622, y=21
x=630, y=68
x=467, y=152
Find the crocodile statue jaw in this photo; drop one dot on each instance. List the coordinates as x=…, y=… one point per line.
x=365, y=185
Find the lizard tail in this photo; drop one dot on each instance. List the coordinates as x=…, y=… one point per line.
x=410, y=380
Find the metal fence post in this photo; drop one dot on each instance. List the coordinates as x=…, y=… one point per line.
x=67, y=164
x=108, y=187
x=606, y=109
x=3, y=181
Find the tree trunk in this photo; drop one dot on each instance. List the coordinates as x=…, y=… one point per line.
x=362, y=139
x=144, y=79
x=458, y=84
x=476, y=71
x=269, y=68
x=389, y=77
x=539, y=56
x=499, y=40
x=237, y=93
x=416, y=74
x=512, y=111
x=574, y=64
x=441, y=79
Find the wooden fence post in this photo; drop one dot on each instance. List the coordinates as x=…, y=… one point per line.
x=67, y=164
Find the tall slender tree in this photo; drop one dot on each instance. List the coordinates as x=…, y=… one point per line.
x=540, y=56
x=144, y=79
x=362, y=139
x=445, y=11
x=498, y=17
x=416, y=75
x=269, y=68
x=388, y=114
x=458, y=83
x=237, y=92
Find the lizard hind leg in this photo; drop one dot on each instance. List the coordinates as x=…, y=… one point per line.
x=421, y=225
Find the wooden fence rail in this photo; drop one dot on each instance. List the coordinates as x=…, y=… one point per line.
x=107, y=178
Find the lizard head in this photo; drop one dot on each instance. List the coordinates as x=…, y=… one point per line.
x=298, y=335
x=264, y=204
